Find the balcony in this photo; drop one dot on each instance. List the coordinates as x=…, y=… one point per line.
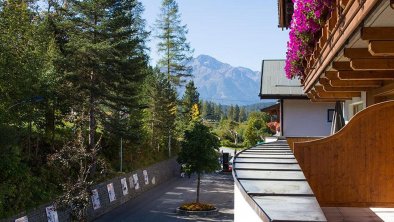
x=355, y=52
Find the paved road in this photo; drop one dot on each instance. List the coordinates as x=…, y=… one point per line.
x=159, y=204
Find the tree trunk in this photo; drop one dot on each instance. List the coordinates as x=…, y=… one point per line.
x=169, y=143
x=198, y=188
x=92, y=123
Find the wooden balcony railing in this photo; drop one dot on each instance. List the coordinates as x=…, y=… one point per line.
x=344, y=20
x=354, y=167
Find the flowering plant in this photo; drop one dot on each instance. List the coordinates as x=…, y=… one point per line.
x=308, y=18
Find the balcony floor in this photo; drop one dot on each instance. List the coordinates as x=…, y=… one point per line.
x=357, y=214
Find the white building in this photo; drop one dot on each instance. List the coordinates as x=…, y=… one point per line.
x=297, y=115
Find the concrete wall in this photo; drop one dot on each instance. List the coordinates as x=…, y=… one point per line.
x=157, y=173
x=304, y=118
x=243, y=212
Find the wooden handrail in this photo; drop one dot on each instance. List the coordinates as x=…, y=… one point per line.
x=355, y=166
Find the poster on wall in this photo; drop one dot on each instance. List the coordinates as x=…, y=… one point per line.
x=154, y=180
x=124, y=186
x=111, y=192
x=146, y=177
x=95, y=199
x=51, y=214
x=131, y=182
x=22, y=219
x=136, y=183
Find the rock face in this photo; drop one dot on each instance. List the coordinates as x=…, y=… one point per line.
x=220, y=82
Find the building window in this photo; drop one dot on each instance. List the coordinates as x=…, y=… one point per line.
x=330, y=115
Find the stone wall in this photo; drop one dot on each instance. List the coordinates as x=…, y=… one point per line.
x=157, y=174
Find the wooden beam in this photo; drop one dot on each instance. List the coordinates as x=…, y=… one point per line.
x=314, y=93
x=345, y=89
x=377, y=33
x=327, y=87
x=341, y=65
x=324, y=81
x=338, y=95
x=344, y=3
x=331, y=75
x=381, y=48
x=320, y=100
x=319, y=95
x=319, y=89
x=372, y=64
x=361, y=53
x=355, y=83
x=366, y=75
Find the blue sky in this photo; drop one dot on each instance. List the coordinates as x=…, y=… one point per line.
x=238, y=32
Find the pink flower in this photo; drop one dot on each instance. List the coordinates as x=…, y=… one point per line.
x=308, y=18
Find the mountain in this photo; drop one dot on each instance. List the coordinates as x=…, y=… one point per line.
x=222, y=83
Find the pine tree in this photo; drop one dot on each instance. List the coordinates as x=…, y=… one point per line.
x=236, y=113
x=242, y=114
x=189, y=99
x=204, y=105
x=217, y=111
x=104, y=58
x=162, y=110
x=173, y=47
x=230, y=113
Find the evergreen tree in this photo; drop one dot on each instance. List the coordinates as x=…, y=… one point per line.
x=204, y=109
x=217, y=112
x=189, y=99
x=173, y=47
x=236, y=113
x=104, y=58
x=162, y=110
x=242, y=114
x=230, y=113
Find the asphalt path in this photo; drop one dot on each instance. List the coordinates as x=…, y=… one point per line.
x=159, y=203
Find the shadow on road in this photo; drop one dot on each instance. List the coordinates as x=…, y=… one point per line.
x=159, y=204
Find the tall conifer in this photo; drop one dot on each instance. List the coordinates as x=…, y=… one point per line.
x=104, y=58
x=173, y=47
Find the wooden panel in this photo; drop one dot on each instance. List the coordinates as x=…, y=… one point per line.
x=345, y=89
x=327, y=87
x=353, y=167
x=366, y=75
x=377, y=33
x=344, y=3
x=292, y=140
x=341, y=66
x=331, y=75
x=361, y=53
x=372, y=64
x=337, y=95
x=355, y=83
x=332, y=21
x=381, y=48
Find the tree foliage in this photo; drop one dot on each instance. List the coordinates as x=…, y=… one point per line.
x=173, y=47
x=256, y=127
x=199, y=151
x=162, y=111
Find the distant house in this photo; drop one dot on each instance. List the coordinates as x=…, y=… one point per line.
x=297, y=115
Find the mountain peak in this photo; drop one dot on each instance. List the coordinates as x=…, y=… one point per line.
x=209, y=61
x=220, y=82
